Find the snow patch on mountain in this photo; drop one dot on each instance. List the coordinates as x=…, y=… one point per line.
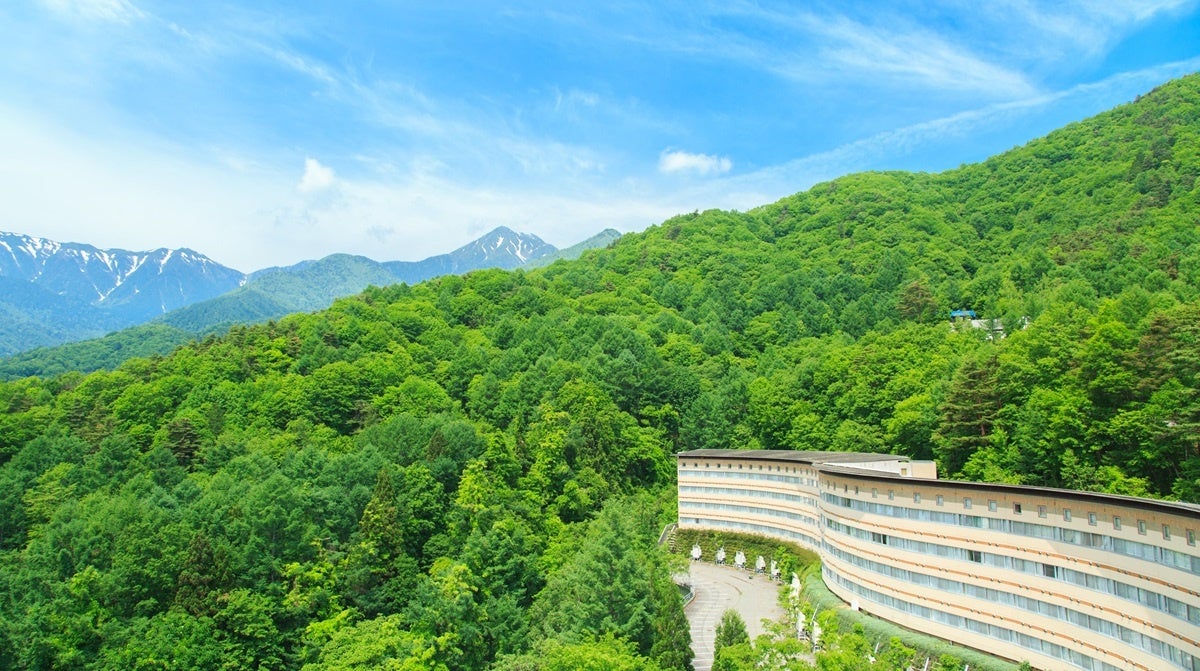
x=144, y=284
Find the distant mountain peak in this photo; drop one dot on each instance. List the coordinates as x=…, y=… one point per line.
x=502, y=244
x=504, y=231
x=501, y=247
x=115, y=287
x=90, y=291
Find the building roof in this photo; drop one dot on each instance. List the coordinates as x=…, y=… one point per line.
x=844, y=461
x=797, y=456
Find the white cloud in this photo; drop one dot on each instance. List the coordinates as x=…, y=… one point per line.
x=316, y=177
x=703, y=164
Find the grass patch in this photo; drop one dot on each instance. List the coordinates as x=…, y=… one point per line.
x=791, y=557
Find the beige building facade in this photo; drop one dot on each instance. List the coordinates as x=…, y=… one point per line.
x=1064, y=579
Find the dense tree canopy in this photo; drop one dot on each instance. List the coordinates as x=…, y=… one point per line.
x=416, y=476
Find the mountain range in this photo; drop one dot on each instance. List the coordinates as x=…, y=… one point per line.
x=58, y=294
x=53, y=292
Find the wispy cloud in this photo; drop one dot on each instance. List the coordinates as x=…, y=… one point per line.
x=305, y=66
x=808, y=47
x=915, y=57
x=875, y=151
x=703, y=164
x=121, y=11
x=1049, y=34
x=574, y=99
x=992, y=51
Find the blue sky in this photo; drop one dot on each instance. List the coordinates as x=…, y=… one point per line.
x=264, y=133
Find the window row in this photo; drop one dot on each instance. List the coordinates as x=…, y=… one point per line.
x=753, y=510
x=1117, y=588
x=1136, y=549
x=1026, y=641
x=1099, y=625
x=807, y=539
x=744, y=475
x=748, y=467
x=758, y=493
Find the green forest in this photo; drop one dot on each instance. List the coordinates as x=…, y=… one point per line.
x=471, y=472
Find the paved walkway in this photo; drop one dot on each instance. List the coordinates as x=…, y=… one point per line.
x=719, y=588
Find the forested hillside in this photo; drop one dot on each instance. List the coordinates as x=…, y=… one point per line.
x=419, y=473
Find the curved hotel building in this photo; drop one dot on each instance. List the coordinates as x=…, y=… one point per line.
x=1064, y=579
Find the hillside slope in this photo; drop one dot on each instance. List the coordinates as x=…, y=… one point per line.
x=598, y=241
x=418, y=473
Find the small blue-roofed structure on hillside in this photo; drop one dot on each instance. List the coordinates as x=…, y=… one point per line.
x=963, y=319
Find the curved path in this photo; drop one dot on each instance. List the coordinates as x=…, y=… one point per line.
x=719, y=588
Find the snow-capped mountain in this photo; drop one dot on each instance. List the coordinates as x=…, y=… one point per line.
x=501, y=248
x=103, y=289
x=142, y=283
x=53, y=293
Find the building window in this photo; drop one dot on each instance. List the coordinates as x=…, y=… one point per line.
x=891, y=495
x=975, y=556
x=874, y=492
x=1166, y=533
x=1191, y=535
x=916, y=497
x=856, y=490
x=1142, y=527
x=1116, y=523
x=991, y=506
x=1066, y=514
x=1016, y=509
x=967, y=503
x=1041, y=511
x=940, y=499
x=1092, y=519
x=879, y=538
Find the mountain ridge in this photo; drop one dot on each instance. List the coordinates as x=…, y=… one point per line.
x=264, y=294
x=63, y=291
